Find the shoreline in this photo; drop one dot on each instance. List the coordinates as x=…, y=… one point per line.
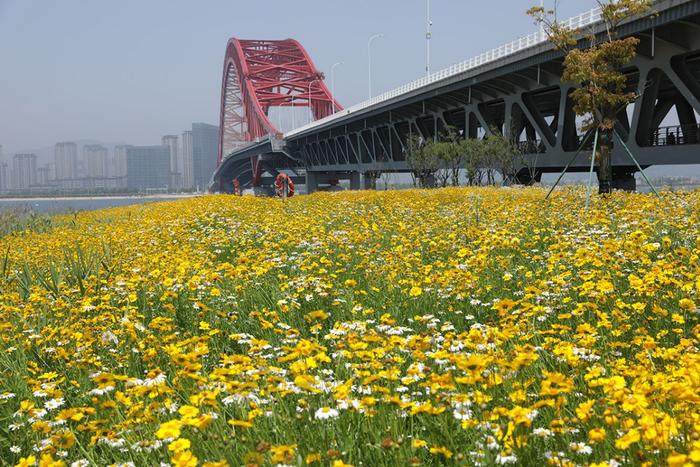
x=106, y=197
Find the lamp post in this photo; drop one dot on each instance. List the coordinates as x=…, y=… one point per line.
x=369, y=60
x=542, y=25
x=333, y=82
x=311, y=107
x=428, y=36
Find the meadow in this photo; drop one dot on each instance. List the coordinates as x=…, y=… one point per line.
x=437, y=327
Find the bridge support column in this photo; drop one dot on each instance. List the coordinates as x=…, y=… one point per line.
x=623, y=179
x=311, y=182
x=355, y=181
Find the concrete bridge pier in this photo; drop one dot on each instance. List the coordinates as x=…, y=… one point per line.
x=311, y=182
x=623, y=179
x=330, y=181
x=355, y=181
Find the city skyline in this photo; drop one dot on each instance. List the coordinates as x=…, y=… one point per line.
x=79, y=166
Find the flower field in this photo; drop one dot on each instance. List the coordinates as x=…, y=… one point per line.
x=457, y=326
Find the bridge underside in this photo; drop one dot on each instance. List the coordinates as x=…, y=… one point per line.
x=525, y=99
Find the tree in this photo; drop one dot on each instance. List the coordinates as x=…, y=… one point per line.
x=596, y=67
x=473, y=155
x=447, y=152
x=454, y=157
x=420, y=158
x=504, y=156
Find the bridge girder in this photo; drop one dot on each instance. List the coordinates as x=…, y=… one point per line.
x=514, y=93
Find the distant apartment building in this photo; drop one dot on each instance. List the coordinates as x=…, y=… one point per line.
x=66, y=161
x=148, y=167
x=172, y=143
x=4, y=175
x=187, y=161
x=205, y=152
x=119, y=165
x=52, y=170
x=42, y=176
x=23, y=171
x=96, y=160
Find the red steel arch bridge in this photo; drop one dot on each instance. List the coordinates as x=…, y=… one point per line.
x=515, y=89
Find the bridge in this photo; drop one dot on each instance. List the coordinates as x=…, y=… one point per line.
x=515, y=89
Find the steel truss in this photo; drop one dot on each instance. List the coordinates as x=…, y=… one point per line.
x=259, y=75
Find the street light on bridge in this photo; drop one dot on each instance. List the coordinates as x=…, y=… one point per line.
x=428, y=36
x=333, y=82
x=311, y=107
x=369, y=59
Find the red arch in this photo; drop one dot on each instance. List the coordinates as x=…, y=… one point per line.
x=258, y=75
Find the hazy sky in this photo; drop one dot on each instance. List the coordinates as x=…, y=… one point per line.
x=134, y=70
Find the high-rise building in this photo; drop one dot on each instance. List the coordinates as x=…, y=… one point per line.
x=96, y=161
x=4, y=176
x=187, y=161
x=205, y=152
x=66, y=161
x=148, y=167
x=52, y=170
x=171, y=141
x=23, y=171
x=119, y=165
x=42, y=176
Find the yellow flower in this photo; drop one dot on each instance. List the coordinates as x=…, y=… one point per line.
x=240, y=423
x=282, y=454
x=583, y=411
x=555, y=384
x=627, y=439
x=63, y=439
x=169, y=429
x=26, y=461
x=446, y=453
x=677, y=460
x=184, y=459
x=188, y=411
x=418, y=443
x=47, y=460
x=415, y=291
x=596, y=435
x=181, y=444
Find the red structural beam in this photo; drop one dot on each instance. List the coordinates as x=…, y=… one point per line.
x=259, y=75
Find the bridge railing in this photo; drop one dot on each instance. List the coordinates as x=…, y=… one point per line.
x=676, y=134
x=585, y=19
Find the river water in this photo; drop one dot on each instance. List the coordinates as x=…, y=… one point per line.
x=67, y=204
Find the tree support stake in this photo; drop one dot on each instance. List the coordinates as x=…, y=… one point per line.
x=637, y=164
